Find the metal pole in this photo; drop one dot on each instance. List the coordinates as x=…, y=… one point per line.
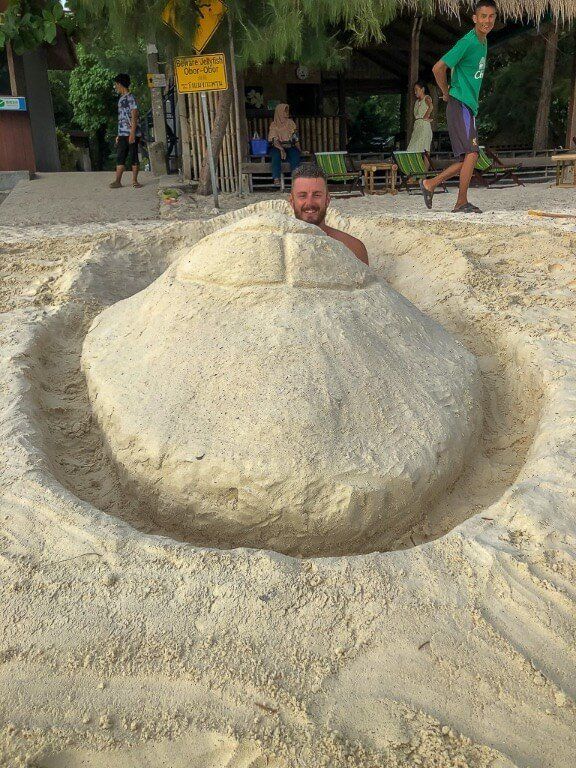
x=236, y=107
x=209, y=148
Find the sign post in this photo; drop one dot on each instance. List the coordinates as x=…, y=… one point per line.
x=199, y=74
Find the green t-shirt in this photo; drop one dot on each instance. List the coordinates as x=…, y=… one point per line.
x=467, y=60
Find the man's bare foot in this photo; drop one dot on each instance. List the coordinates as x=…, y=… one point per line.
x=137, y=184
x=115, y=185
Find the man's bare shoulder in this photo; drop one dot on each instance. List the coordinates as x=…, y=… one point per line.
x=353, y=243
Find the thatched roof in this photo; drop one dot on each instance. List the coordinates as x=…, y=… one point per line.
x=532, y=10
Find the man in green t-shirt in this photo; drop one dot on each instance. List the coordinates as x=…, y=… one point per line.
x=467, y=62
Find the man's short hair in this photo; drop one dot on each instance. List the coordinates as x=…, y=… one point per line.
x=308, y=171
x=485, y=4
x=123, y=79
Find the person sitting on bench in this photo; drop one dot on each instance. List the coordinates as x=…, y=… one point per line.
x=285, y=142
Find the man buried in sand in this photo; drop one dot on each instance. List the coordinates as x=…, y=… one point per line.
x=310, y=199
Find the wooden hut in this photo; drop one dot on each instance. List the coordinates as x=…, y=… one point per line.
x=412, y=44
x=27, y=127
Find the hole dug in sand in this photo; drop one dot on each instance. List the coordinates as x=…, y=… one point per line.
x=267, y=390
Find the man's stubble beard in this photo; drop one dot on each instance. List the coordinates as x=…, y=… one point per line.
x=321, y=216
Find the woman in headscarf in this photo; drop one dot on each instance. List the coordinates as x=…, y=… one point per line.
x=284, y=141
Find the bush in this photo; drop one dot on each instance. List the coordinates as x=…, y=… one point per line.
x=68, y=152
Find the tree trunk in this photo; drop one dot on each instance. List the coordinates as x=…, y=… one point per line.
x=413, y=73
x=342, y=113
x=99, y=148
x=571, y=122
x=221, y=121
x=242, y=117
x=543, y=115
x=433, y=88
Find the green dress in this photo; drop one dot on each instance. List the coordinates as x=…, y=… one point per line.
x=422, y=133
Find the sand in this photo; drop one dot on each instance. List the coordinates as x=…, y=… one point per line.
x=456, y=649
x=296, y=402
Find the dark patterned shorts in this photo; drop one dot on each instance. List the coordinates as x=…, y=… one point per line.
x=126, y=151
x=461, y=127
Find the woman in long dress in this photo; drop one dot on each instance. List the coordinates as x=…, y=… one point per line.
x=421, y=139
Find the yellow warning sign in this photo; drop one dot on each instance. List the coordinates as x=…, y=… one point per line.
x=211, y=13
x=201, y=73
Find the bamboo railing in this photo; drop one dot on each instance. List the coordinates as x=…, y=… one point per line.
x=228, y=160
x=317, y=134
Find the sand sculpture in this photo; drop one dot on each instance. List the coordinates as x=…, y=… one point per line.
x=269, y=390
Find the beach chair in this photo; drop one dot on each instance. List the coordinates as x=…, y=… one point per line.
x=412, y=167
x=489, y=169
x=339, y=171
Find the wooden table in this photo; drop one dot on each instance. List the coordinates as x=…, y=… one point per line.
x=389, y=178
x=565, y=165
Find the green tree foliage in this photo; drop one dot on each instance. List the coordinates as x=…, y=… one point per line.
x=26, y=24
x=63, y=111
x=511, y=91
x=371, y=117
x=310, y=31
x=67, y=151
x=91, y=93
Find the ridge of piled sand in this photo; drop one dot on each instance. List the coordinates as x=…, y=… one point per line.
x=122, y=648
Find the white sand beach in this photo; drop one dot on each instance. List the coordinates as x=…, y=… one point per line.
x=452, y=648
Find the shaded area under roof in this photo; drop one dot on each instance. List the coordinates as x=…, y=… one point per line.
x=392, y=56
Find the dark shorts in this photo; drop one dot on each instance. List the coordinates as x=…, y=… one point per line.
x=127, y=152
x=461, y=127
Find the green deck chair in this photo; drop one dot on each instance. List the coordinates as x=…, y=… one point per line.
x=412, y=168
x=339, y=170
x=489, y=169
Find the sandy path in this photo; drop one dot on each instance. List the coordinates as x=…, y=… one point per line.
x=77, y=198
x=454, y=654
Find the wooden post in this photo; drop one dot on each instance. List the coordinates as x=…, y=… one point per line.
x=16, y=72
x=343, y=123
x=413, y=73
x=433, y=88
x=571, y=122
x=242, y=120
x=158, y=148
x=541, y=129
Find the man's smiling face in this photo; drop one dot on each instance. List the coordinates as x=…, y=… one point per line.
x=309, y=200
x=484, y=19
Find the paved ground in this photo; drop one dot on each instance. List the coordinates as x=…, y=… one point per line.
x=78, y=198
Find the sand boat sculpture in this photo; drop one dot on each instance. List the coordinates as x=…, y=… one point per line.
x=268, y=390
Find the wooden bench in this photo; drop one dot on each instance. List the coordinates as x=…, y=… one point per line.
x=259, y=169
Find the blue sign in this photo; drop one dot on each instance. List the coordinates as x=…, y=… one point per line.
x=12, y=104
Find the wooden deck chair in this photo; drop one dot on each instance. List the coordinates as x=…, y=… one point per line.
x=412, y=168
x=339, y=171
x=489, y=169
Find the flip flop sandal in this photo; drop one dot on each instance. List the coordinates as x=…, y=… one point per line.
x=467, y=208
x=427, y=195
x=115, y=185
x=137, y=185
